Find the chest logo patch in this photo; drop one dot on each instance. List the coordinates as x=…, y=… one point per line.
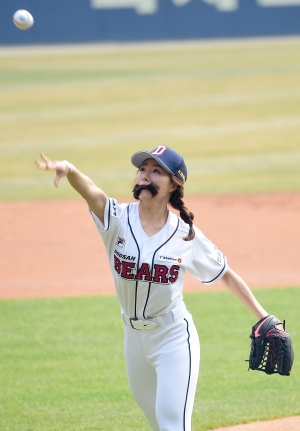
x=120, y=242
x=169, y=258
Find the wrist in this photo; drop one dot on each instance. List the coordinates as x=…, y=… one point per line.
x=69, y=165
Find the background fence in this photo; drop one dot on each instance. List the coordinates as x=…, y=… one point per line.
x=67, y=21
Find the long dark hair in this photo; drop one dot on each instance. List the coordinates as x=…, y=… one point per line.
x=176, y=201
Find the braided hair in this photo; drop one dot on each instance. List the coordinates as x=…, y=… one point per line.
x=176, y=201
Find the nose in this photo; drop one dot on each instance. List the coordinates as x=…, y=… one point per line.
x=145, y=176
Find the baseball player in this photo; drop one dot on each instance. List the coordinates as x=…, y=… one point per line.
x=149, y=250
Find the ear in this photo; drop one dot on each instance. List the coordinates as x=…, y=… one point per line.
x=175, y=184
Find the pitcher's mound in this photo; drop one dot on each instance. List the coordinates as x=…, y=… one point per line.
x=285, y=424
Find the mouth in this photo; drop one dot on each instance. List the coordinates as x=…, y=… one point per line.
x=152, y=188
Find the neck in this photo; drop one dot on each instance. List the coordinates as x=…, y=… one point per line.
x=153, y=216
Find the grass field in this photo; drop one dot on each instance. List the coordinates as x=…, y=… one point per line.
x=62, y=366
x=232, y=109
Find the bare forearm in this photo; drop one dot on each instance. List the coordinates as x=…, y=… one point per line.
x=81, y=182
x=94, y=196
x=240, y=289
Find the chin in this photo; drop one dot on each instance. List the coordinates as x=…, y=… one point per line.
x=145, y=194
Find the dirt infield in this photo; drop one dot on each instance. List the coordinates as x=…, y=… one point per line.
x=53, y=249
x=285, y=424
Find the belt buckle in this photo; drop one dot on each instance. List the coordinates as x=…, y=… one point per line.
x=132, y=319
x=141, y=324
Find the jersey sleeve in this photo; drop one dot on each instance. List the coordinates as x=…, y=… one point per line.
x=208, y=263
x=112, y=215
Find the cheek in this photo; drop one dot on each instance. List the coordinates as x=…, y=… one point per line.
x=138, y=175
x=165, y=184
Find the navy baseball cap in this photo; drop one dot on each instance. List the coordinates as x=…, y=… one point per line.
x=169, y=159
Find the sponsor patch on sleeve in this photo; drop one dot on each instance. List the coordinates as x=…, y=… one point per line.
x=217, y=256
x=114, y=207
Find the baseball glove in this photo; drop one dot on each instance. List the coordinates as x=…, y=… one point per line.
x=271, y=347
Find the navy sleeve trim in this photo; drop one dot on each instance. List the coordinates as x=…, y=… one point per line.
x=207, y=282
x=108, y=221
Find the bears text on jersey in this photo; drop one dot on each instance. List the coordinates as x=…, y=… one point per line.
x=162, y=274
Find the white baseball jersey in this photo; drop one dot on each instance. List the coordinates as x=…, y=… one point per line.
x=148, y=271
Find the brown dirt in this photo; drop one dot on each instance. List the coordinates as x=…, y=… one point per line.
x=53, y=249
x=285, y=424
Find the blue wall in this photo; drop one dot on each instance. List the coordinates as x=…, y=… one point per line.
x=66, y=21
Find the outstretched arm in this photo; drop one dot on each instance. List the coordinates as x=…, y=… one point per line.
x=94, y=196
x=240, y=289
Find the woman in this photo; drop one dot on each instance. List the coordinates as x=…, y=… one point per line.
x=149, y=250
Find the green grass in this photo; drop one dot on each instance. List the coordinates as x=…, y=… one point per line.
x=232, y=110
x=62, y=367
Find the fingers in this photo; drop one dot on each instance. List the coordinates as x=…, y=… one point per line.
x=61, y=168
x=43, y=165
x=40, y=164
x=46, y=160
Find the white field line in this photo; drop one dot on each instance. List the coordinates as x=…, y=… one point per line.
x=146, y=135
x=62, y=49
x=155, y=105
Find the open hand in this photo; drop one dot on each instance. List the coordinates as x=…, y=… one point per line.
x=61, y=168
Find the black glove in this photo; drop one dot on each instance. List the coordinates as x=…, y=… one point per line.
x=271, y=347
